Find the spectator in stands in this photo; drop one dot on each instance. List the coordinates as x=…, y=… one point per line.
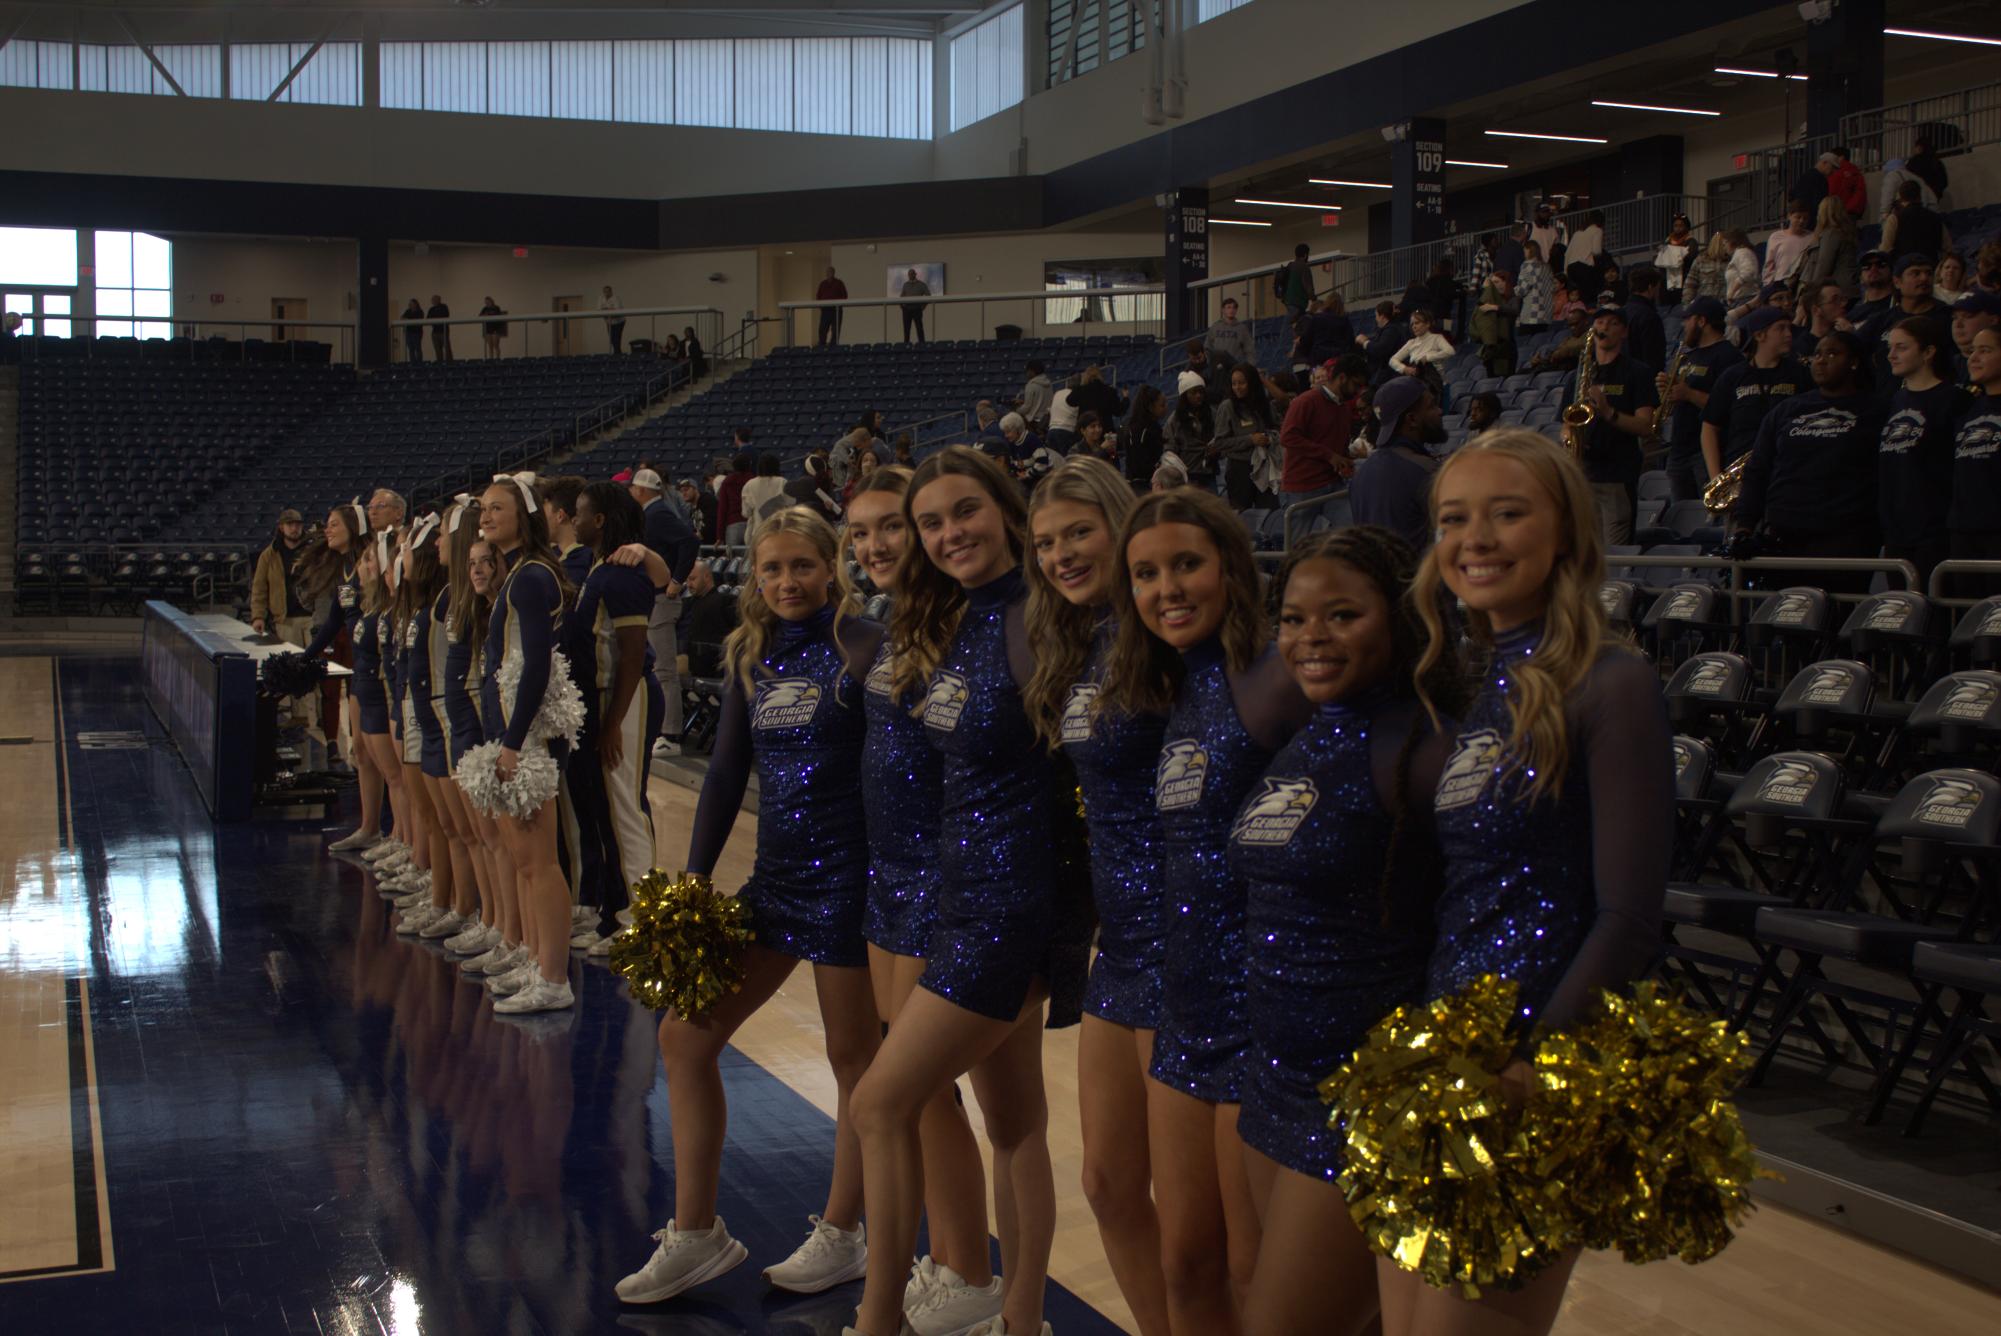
x=1295, y=283
x=1093, y=394
x=1914, y=459
x=1822, y=310
x=1443, y=290
x=1424, y=347
x=614, y=322
x=986, y=421
x=1705, y=355
x=1391, y=335
x=1707, y=271
x=1612, y=284
x=1784, y=248
x=729, y=496
x=1033, y=403
x=1646, y=337
x=673, y=541
x=1483, y=410
x=1508, y=252
x=871, y=418
x=670, y=349
x=1846, y=184
x=1062, y=433
x=1975, y=516
x=1191, y=429
x=1548, y=233
x=1877, y=290
x=1093, y=439
x=901, y=451
x=1392, y=487
x=831, y=289
x=1740, y=275
x=1912, y=275
x=1143, y=440
x=386, y=510
x=493, y=331
x=1622, y=395
x=1745, y=393
x=1832, y=252
x=1168, y=476
x=1914, y=229
x=1674, y=257
x=816, y=490
x=701, y=506
x=1318, y=427
x=1810, y=488
x=1581, y=259
x=760, y=492
x=1538, y=291
x=913, y=312
x=707, y=617
x=558, y=498
x=1970, y=314
x=1328, y=333
x=1493, y=323
x=1017, y=443
x=841, y=459
x=1811, y=188
x=1576, y=319
x=413, y=335
x=1246, y=439
x=441, y=333
x=1949, y=278
x=1923, y=163
x=1483, y=260
x=1987, y=267
x=1230, y=337
x=691, y=349
x=277, y=604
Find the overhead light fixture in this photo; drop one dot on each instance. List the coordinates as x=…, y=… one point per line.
x=1287, y=204
x=1359, y=185
x=1942, y=36
x=1648, y=106
x=1468, y=162
x=1238, y=222
x=1759, y=74
x=1530, y=134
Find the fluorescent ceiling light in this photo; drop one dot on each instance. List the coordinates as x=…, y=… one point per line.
x=1468, y=162
x=1288, y=204
x=1942, y=36
x=1648, y=106
x=1758, y=74
x=1530, y=134
x=1360, y=185
x=1238, y=222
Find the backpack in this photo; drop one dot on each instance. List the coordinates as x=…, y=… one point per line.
x=1278, y=281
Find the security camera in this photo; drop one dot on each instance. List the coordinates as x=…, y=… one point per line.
x=718, y=278
x=1817, y=11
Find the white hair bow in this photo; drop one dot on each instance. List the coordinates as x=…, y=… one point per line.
x=422, y=533
x=527, y=489
x=360, y=511
x=460, y=504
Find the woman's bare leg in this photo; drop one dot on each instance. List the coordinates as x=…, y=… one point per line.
x=1118, y=1174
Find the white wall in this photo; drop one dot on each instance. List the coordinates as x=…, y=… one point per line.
x=248, y=274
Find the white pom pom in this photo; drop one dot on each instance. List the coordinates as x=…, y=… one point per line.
x=477, y=778
x=535, y=781
x=561, y=714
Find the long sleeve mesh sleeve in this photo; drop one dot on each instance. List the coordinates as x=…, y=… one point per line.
x=1269, y=702
x=723, y=788
x=532, y=601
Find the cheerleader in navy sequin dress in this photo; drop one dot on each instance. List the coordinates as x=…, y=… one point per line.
x=375, y=650
x=458, y=729
x=1555, y=810
x=793, y=708
x=330, y=570
x=504, y=949
x=1340, y=867
x=902, y=787
x=1074, y=518
x=1193, y=635
x=998, y=951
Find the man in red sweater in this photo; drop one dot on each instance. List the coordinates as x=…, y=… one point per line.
x=1845, y=183
x=831, y=290
x=1317, y=429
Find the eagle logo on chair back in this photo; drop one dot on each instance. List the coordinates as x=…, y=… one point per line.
x=1708, y=679
x=785, y=702
x=1177, y=782
x=1273, y=817
x=1991, y=624
x=1685, y=604
x=1828, y=686
x=1468, y=769
x=1684, y=755
x=1949, y=802
x=1077, y=712
x=945, y=702
x=1970, y=698
x=1791, y=610
x=1893, y=611
x=1790, y=783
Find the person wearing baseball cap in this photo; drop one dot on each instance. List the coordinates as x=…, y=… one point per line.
x=623, y=476
x=1622, y=397
x=1745, y=392
x=1392, y=487
x=1577, y=318
x=1912, y=277
x=1873, y=273
x=276, y=606
x=1704, y=356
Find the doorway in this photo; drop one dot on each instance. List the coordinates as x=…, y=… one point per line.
x=561, y=344
x=42, y=312
x=287, y=308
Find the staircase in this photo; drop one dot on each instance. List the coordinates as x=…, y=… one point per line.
x=718, y=373
x=10, y=436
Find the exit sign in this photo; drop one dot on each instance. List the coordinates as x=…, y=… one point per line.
x=1330, y=220
x=1741, y=161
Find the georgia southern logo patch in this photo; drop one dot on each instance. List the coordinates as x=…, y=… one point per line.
x=785, y=702
x=1469, y=768
x=945, y=702
x=1949, y=802
x=1177, y=782
x=879, y=674
x=1077, y=712
x=1790, y=783
x=1273, y=816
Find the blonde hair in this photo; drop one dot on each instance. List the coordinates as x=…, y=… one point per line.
x=743, y=652
x=930, y=603
x=1833, y=217
x=1060, y=630
x=1143, y=672
x=1575, y=632
x=1718, y=247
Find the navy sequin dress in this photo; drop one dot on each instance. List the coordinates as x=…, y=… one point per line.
x=1208, y=764
x=996, y=906
x=1309, y=843
x=1116, y=756
x=902, y=779
x=1563, y=894
x=804, y=726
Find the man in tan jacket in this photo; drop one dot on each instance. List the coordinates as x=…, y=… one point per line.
x=275, y=606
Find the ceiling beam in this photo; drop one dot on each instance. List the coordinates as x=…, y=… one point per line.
x=165, y=73
x=300, y=64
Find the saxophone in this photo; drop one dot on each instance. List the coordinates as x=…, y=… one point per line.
x=1579, y=416
x=1676, y=369
x=1720, y=493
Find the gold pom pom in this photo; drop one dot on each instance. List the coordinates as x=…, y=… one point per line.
x=685, y=948
x=1632, y=1114
x=1436, y=1175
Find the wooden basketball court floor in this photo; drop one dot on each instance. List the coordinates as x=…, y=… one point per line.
x=232, y=1100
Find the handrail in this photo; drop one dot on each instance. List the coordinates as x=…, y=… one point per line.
x=1961, y=566
x=1904, y=570
x=1265, y=270
x=1975, y=111
x=913, y=427
x=544, y=316
x=189, y=330
x=788, y=311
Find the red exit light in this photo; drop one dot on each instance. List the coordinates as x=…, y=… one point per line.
x=520, y=252
x=1741, y=161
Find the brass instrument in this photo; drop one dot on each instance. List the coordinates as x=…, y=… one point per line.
x=1677, y=369
x=1719, y=494
x=1578, y=416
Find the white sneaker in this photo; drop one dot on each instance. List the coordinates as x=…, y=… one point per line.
x=923, y=1275
x=583, y=916
x=624, y=917
x=471, y=939
x=998, y=1327
x=684, y=1259
x=478, y=965
x=539, y=995
x=385, y=846
x=410, y=924
x=584, y=940
x=830, y=1256
x=954, y=1308
x=507, y=958
x=360, y=840
x=446, y=923
x=516, y=979
x=665, y=747
x=601, y=948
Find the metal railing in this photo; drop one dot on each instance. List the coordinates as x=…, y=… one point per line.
x=1739, y=594
x=193, y=340
x=106, y=577
x=562, y=333
x=919, y=437
x=1953, y=122
x=1941, y=573
x=740, y=346
x=1032, y=305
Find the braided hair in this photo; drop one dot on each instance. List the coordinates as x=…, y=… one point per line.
x=1388, y=562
